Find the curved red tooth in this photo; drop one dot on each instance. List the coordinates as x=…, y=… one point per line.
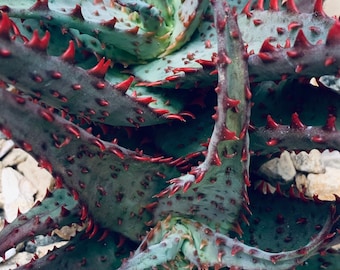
x=100, y=69
x=246, y=9
x=76, y=12
x=104, y=235
x=44, y=163
x=83, y=212
x=301, y=41
x=89, y=225
x=5, y=25
x=216, y=159
x=187, y=186
x=229, y=135
x=274, y=5
x=333, y=36
x=294, y=54
x=110, y=23
x=75, y=194
x=47, y=115
x=64, y=212
x=173, y=78
x=162, y=193
x=117, y=152
x=38, y=43
x=58, y=182
x=291, y=7
x=69, y=53
x=206, y=63
x=271, y=124
x=151, y=206
x=296, y=122
x=246, y=178
x=266, y=46
x=259, y=5
x=318, y=8
x=185, y=70
x=330, y=123
x=144, y=100
x=98, y=143
x=175, y=117
x=124, y=85
x=94, y=231
x=266, y=57
x=73, y=130
x=40, y=5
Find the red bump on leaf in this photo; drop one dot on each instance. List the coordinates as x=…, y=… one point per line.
x=272, y=142
x=236, y=249
x=294, y=25
x=275, y=258
x=329, y=61
x=257, y=22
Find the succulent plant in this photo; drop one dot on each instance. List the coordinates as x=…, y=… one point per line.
x=154, y=117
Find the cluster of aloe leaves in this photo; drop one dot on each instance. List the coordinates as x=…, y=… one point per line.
x=153, y=117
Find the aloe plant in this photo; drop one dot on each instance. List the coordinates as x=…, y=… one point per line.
x=154, y=116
